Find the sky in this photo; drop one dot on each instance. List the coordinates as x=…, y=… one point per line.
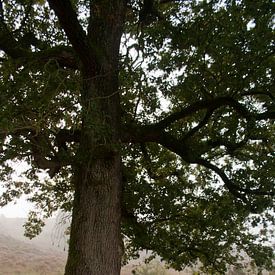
x=21, y=207
x=18, y=210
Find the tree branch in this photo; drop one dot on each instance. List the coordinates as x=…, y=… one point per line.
x=44, y=154
x=179, y=147
x=151, y=133
x=74, y=31
x=20, y=49
x=200, y=125
x=235, y=190
x=64, y=135
x=203, y=104
x=156, y=132
x=266, y=115
x=41, y=152
x=64, y=56
x=8, y=44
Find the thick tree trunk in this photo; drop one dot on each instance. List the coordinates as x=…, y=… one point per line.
x=95, y=231
x=95, y=240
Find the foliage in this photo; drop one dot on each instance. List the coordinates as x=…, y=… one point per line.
x=154, y=268
x=197, y=100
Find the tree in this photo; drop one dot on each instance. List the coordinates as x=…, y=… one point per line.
x=153, y=120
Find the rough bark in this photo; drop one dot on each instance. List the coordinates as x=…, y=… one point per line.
x=95, y=230
x=95, y=240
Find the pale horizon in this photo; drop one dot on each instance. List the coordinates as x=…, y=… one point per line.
x=19, y=209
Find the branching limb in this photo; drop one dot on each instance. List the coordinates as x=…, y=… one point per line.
x=64, y=56
x=143, y=134
x=41, y=156
x=20, y=50
x=74, y=31
x=200, y=125
x=46, y=157
x=233, y=189
x=230, y=146
x=64, y=136
x=179, y=147
x=8, y=44
x=237, y=191
x=41, y=149
x=210, y=105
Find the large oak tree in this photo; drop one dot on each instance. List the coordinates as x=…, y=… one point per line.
x=153, y=120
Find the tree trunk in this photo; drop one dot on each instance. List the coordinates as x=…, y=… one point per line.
x=95, y=231
x=95, y=240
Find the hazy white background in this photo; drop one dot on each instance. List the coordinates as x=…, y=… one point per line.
x=18, y=210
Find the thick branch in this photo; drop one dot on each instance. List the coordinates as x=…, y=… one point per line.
x=204, y=104
x=150, y=133
x=200, y=125
x=65, y=135
x=8, y=44
x=44, y=154
x=234, y=190
x=211, y=106
x=42, y=158
x=74, y=31
x=42, y=163
x=21, y=49
x=266, y=115
x=63, y=56
x=42, y=149
x=155, y=132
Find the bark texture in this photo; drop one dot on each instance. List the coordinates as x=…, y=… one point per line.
x=95, y=242
x=95, y=230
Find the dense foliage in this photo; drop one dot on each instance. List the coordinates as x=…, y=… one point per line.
x=197, y=103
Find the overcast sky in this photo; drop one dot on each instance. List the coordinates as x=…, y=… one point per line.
x=18, y=210
x=22, y=207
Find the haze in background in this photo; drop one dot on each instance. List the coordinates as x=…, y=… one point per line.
x=18, y=210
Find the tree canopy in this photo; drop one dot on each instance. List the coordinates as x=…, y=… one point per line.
x=196, y=87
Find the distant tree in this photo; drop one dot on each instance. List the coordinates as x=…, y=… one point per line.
x=153, y=120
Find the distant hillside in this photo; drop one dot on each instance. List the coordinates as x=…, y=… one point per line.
x=46, y=254
x=20, y=256
x=52, y=236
